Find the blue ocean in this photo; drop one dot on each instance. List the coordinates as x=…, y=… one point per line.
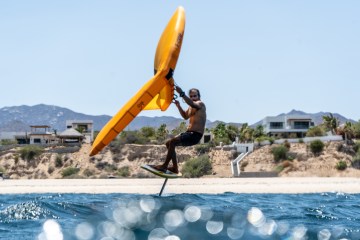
x=180, y=216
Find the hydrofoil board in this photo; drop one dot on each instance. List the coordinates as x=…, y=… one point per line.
x=167, y=174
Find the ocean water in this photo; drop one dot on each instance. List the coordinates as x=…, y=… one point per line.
x=180, y=216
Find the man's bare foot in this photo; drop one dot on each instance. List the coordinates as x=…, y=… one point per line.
x=173, y=169
x=159, y=168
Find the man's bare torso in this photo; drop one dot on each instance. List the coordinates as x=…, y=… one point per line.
x=197, y=118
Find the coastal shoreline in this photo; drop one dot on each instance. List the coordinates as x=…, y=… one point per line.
x=288, y=185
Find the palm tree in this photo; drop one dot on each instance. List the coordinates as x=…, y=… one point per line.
x=348, y=132
x=179, y=129
x=219, y=131
x=246, y=133
x=331, y=123
x=259, y=131
x=161, y=132
x=232, y=132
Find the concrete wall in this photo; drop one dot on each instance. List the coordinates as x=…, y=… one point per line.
x=305, y=139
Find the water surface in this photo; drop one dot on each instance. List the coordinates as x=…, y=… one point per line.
x=180, y=216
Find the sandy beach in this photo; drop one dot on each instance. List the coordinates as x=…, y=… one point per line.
x=178, y=186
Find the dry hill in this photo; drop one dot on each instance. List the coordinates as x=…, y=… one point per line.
x=127, y=161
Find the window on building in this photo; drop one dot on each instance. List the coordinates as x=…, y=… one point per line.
x=37, y=140
x=207, y=138
x=301, y=125
x=276, y=125
x=82, y=128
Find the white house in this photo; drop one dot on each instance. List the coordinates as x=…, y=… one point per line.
x=85, y=127
x=40, y=134
x=287, y=126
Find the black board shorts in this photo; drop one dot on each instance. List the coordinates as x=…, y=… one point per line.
x=190, y=138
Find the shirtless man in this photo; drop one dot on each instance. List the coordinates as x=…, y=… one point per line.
x=196, y=113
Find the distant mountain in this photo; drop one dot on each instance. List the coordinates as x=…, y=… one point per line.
x=318, y=117
x=19, y=118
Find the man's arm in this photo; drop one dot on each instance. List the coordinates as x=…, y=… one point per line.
x=181, y=111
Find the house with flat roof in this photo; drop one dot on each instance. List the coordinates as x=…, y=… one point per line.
x=85, y=127
x=287, y=126
x=40, y=134
x=19, y=137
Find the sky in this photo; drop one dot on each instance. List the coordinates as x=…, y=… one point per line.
x=250, y=59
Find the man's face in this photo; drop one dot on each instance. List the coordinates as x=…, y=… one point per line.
x=194, y=95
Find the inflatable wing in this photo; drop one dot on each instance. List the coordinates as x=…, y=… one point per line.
x=158, y=92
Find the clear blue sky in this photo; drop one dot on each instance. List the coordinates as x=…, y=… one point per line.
x=250, y=59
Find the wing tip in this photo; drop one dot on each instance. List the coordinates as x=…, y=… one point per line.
x=93, y=151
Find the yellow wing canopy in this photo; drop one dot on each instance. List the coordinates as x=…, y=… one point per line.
x=158, y=92
x=163, y=99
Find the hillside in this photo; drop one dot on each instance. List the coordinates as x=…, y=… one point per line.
x=305, y=164
x=54, y=161
x=19, y=118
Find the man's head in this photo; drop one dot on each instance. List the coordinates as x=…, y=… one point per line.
x=194, y=94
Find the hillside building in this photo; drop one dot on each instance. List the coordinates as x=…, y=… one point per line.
x=287, y=126
x=70, y=135
x=40, y=134
x=85, y=127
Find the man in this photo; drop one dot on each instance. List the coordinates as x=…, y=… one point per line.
x=196, y=113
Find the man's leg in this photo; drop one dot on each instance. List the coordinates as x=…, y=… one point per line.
x=171, y=155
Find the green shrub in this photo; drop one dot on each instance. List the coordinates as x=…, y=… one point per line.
x=16, y=158
x=203, y=148
x=356, y=146
x=58, y=161
x=291, y=157
x=316, y=131
x=265, y=138
x=110, y=168
x=279, y=168
x=287, y=144
x=197, y=167
x=30, y=152
x=341, y=165
x=243, y=165
x=356, y=161
x=101, y=165
x=316, y=147
x=69, y=171
x=124, y=171
x=87, y=172
x=339, y=147
x=50, y=169
x=279, y=152
x=2, y=170
x=301, y=140
x=7, y=142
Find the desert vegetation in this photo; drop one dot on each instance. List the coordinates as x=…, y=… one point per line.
x=124, y=156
